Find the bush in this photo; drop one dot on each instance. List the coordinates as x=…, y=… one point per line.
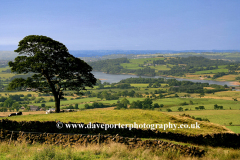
x=70, y=107
x=201, y=107
x=183, y=104
x=169, y=110
x=76, y=106
x=180, y=109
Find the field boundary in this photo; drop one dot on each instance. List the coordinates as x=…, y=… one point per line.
x=231, y=140
x=85, y=139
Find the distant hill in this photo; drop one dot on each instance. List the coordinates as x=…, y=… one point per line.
x=100, y=53
x=7, y=55
x=94, y=55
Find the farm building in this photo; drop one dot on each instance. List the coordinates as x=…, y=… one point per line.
x=34, y=108
x=22, y=107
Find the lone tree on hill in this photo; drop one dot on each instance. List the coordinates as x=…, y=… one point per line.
x=55, y=70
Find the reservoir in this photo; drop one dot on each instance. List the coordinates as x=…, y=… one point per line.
x=114, y=78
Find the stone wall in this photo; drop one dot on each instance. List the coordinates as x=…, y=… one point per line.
x=215, y=140
x=78, y=139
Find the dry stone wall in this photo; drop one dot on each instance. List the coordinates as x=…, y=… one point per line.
x=215, y=140
x=78, y=139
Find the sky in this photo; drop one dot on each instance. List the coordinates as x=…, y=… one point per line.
x=124, y=24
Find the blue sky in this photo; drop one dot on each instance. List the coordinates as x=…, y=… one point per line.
x=124, y=24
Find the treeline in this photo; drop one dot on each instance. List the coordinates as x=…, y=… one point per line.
x=145, y=104
x=112, y=66
x=196, y=61
x=96, y=105
x=191, y=65
x=177, y=86
x=181, y=66
x=142, y=80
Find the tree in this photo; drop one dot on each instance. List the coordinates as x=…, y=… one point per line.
x=201, y=107
x=86, y=106
x=55, y=70
x=16, y=106
x=156, y=105
x=180, y=109
x=169, y=110
x=27, y=108
x=8, y=103
x=147, y=103
x=70, y=107
x=76, y=106
x=125, y=102
x=201, y=95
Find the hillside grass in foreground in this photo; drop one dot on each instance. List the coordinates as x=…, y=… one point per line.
x=128, y=116
x=116, y=151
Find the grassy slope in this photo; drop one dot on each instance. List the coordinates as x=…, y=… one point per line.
x=222, y=117
x=235, y=129
x=116, y=151
x=125, y=117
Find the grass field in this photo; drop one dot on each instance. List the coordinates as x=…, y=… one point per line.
x=227, y=78
x=5, y=114
x=235, y=129
x=148, y=60
x=212, y=71
x=68, y=102
x=6, y=75
x=222, y=117
x=140, y=85
x=225, y=94
x=128, y=116
x=3, y=69
x=208, y=103
x=116, y=151
x=19, y=92
x=160, y=68
x=130, y=66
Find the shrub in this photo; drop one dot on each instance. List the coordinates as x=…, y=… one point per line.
x=169, y=110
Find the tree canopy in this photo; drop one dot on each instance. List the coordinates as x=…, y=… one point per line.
x=54, y=68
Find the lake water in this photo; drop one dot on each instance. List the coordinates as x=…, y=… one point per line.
x=114, y=78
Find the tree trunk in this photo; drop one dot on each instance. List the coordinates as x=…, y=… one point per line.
x=57, y=103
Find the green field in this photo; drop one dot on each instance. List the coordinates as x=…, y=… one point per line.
x=212, y=71
x=130, y=66
x=115, y=101
x=235, y=129
x=142, y=60
x=68, y=102
x=19, y=92
x=134, y=63
x=222, y=117
x=128, y=116
x=140, y=85
x=174, y=103
x=4, y=69
x=160, y=67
